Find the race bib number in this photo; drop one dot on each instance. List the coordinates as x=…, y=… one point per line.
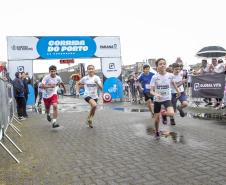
x=164, y=92
x=91, y=89
x=50, y=90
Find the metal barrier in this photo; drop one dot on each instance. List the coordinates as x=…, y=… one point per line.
x=7, y=115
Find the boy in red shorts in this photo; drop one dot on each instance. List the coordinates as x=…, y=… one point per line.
x=50, y=85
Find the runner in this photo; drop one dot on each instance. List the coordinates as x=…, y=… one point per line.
x=145, y=79
x=49, y=84
x=91, y=84
x=178, y=78
x=161, y=90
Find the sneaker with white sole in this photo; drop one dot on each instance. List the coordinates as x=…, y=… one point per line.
x=55, y=125
x=21, y=118
x=182, y=114
x=48, y=117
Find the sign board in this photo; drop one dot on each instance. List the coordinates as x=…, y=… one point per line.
x=67, y=61
x=208, y=86
x=20, y=66
x=62, y=47
x=111, y=67
x=22, y=50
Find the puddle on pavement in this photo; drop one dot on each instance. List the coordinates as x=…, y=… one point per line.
x=169, y=136
x=205, y=116
x=175, y=137
x=125, y=109
x=84, y=108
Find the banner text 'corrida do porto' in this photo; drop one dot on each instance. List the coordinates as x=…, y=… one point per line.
x=66, y=47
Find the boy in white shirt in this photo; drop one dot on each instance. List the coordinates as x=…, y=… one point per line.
x=49, y=84
x=91, y=84
x=178, y=79
x=161, y=90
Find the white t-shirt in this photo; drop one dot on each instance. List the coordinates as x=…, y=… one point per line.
x=178, y=79
x=204, y=70
x=48, y=80
x=162, y=84
x=219, y=68
x=90, y=85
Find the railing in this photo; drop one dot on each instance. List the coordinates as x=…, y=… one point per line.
x=7, y=116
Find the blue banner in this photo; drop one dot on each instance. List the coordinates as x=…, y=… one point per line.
x=114, y=87
x=66, y=47
x=31, y=95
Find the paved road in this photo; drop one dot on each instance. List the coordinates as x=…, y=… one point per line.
x=119, y=150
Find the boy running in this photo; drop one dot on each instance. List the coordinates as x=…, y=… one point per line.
x=145, y=79
x=161, y=90
x=178, y=79
x=50, y=84
x=91, y=84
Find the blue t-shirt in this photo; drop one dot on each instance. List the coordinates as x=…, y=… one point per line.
x=145, y=81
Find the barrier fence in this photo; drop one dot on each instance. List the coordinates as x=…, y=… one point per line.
x=7, y=116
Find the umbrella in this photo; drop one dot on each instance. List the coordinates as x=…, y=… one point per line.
x=212, y=52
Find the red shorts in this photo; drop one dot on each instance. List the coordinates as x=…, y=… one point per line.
x=51, y=100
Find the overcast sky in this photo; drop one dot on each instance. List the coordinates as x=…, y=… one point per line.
x=147, y=28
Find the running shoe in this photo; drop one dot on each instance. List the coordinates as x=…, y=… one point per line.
x=182, y=114
x=55, y=125
x=172, y=122
x=49, y=118
x=164, y=120
x=21, y=118
x=157, y=135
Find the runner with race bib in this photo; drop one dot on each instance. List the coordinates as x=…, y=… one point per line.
x=91, y=84
x=50, y=85
x=161, y=90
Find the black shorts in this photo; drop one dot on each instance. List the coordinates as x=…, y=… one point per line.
x=157, y=105
x=89, y=98
x=148, y=96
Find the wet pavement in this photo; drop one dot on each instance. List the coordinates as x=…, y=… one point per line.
x=120, y=149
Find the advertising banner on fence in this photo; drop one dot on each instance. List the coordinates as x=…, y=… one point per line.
x=62, y=47
x=208, y=86
x=22, y=48
x=20, y=66
x=111, y=68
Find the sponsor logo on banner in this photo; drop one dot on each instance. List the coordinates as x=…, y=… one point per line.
x=113, y=86
x=23, y=48
x=208, y=86
x=66, y=47
x=20, y=48
x=111, y=67
x=20, y=69
x=205, y=86
x=113, y=46
x=108, y=47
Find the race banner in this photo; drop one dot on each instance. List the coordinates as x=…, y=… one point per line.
x=112, y=79
x=208, y=86
x=62, y=47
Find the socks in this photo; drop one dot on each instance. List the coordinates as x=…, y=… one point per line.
x=53, y=120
